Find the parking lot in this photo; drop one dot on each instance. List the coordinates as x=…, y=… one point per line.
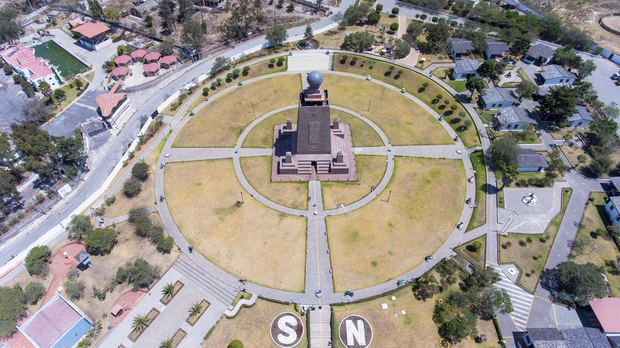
x=80, y=111
x=604, y=86
x=12, y=99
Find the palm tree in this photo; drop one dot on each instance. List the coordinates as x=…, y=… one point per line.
x=140, y=323
x=195, y=310
x=168, y=289
x=166, y=343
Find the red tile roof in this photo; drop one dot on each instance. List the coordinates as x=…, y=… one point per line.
x=151, y=67
x=108, y=101
x=120, y=71
x=124, y=59
x=75, y=22
x=91, y=29
x=152, y=56
x=23, y=58
x=138, y=53
x=606, y=311
x=168, y=59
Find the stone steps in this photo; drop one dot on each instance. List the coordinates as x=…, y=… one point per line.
x=221, y=290
x=320, y=327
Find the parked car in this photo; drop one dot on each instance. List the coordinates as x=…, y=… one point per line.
x=615, y=76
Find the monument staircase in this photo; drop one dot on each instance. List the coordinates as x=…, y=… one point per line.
x=219, y=288
x=305, y=167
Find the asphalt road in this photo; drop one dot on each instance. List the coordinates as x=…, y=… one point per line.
x=117, y=144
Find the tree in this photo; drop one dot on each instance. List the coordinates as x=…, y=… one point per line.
x=566, y=57
x=140, y=171
x=487, y=69
x=100, y=241
x=166, y=12
x=356, y=12
x=37, y=259
x=436, y=37
x=186, y=9
x=9, y=30
x=140, y=323
x=95, y=9
x=132, y=187
x=112, y=13
x=276, y=35
x=121, y=275
x=520, y=46
x=33, y=292
x=394, y=26
x=7, y=69
x=36, y=111
x=504, y=152
x=414, y=29
x=290, y=8
x=474, y=84
x=168, y=289
x=484, y=304
x=610, y=111
x=586, y=68
x=459, y=328
x=358, y=42
x=395, y=10
x=74, y=288
x=526, y=89
x=12, y=301
x=373, y=18
x=8, y=188
x=193, y=34
x=575, y=283
x=140, y=220
x=195, y=309
x=141, y=274
x=45, y=88
x=219, y=64
x=556, y=165
x=60, y=94
x=80, y=227
x=165, y=244
x=424, y=287
x=401, y=49
x=379, y=7
x=148, y=20
x=308, y=33
x=559, y=104
x=166, y=48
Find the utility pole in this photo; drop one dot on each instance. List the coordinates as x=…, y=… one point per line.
x=241, y=196
x=368, y=105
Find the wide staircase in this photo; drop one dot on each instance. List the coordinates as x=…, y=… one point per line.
x=306, y=167
x=219, y=288
x=320, y=327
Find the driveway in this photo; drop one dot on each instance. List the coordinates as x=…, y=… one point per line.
x=12, y=100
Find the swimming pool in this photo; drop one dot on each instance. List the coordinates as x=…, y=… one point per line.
x=67, y=63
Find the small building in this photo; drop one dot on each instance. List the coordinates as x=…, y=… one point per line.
x=496, y=98
x=112, y=104
x=555, y=75
x=495, y=49
x=152, y=57
x=83, y=260
x=512, y=118
x=612, y=208
x=388, y=48
x=143, y=9
x=459, y=48
x=560, y=338
x=151, y=69
x=138, y=55
x=32, y=68
x=580, y=119
x=92, y=34
x=122, y=60
x=168, y=61
x=615, y=185
x=606, y=311
x=530, y=162
x=59, y=323
x=76, y=22
x=120, y=72
x=465, y=68
x=539, y=54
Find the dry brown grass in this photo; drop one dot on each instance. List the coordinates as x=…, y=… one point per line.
x=414, y=329
x=361, y=133
x=251, y=241
x=402, y=120
x=250, y=326
x=221, y=122
x=385, y=239
x=257, y=171
x=370, y=170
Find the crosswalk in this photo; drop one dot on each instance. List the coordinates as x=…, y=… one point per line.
x=521, y=299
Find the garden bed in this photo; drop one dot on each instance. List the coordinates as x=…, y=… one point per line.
x=165, y=299
x=153, y=313
x=192, y=319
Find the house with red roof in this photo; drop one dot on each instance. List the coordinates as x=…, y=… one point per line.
x=112, y=104
x=122, y=60
x=151, y=69
x=152, y=57
x=91, y=34
x=607, y=312
x=168, y=61
x=138, y=55
x=34, y=69
x=75, y=22
x=120, y=72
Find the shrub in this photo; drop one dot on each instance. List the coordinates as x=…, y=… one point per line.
x=522, y=242
x=110, y=200
x=59, y=94
x=529, y=239
x=100, y=241
x=235, y=73
x=373, y=18
x=425, y=84
x=434, y=19
x=281, y=61
x=246, y=70
x=205, y=91
x=121, y=275
x=37, y=259
x=379, y=7
x=453, y=107
x=235, y=344
x=476, y=245
x=391, y=67
x=165, y=244
x=395, y=10
x=439, y=96
x=423, y=16
x=600, y=232
x=74, y=288
x=132, y=187
x=141, y=274
x=394, y=26
x=33, y=292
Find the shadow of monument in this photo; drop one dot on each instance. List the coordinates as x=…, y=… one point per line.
x=285, y=143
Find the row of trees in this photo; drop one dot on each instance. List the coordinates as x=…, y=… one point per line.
x=143, y=226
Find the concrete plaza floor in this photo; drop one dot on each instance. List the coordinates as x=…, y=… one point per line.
x=309, y=61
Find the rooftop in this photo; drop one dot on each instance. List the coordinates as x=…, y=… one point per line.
x=108, y=101
x=75, y=22
x=581, y=114
x=460, y=45
x=615, y=200
x=151, y=67
x=555, y=71
x=152, y=56
x=615, y=180
x=496, y=47
x=24, y=59
x=91, y=29
x=120, y=71
x=540, y=50
x=494, y=95
x=532, y=159
x=168, y=59
x=606, y=311
x=513, y=114
x=466, y=65
x=138, y=53
x=124, y=59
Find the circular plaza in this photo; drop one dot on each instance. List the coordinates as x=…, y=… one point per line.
x=309, y=185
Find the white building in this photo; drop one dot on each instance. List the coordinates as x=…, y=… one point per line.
x=34, y=69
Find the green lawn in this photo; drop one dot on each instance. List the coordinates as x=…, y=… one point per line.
x=477, y=257
x=67, y=64
x=529, y=252
x=413, y=82
x=524, y=76
x=487, y=115
x=523, y=137
x=444, y=74
x=479, y=215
